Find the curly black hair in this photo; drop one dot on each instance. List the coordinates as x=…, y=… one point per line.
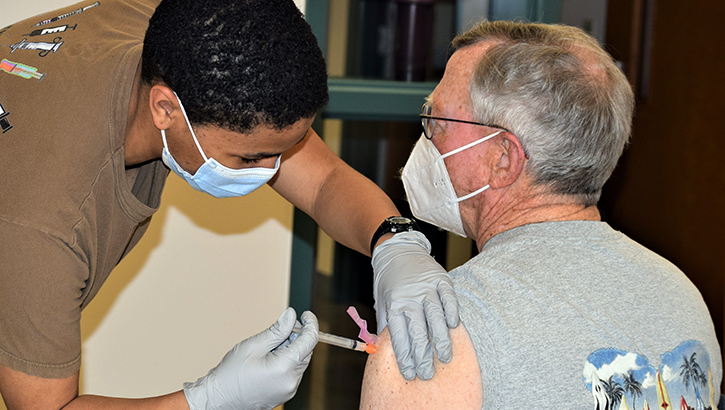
x=236, y=64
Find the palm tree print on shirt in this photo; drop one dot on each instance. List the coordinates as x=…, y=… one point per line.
x=684, y=373
x=633, y=387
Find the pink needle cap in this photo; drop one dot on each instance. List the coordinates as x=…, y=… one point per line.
x=364, y=335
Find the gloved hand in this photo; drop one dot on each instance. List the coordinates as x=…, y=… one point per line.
x=414, y=296
x=261, y=372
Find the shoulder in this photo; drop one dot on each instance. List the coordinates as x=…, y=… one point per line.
x=455, y=385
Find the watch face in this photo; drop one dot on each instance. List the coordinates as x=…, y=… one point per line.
x=400, y=220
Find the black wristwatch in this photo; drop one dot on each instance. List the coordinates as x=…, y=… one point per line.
x=394, y=224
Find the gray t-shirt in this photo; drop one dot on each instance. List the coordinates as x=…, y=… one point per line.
x=575, y=315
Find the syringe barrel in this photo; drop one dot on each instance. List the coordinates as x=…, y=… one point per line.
x=336, y=340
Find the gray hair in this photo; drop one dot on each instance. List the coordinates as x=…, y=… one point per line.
x=561, y=95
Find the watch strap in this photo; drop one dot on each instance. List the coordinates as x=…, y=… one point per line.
x=393, y=224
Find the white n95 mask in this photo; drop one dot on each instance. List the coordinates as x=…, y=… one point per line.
x=214, y=178
x=429, y=188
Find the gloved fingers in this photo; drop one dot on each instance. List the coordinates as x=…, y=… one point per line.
x=450, y=303
x=398, y=328
x=280, y=331
x=309, y=318
x=294, y=335
x=438, y=331
x=380, y=316
x=290, y=339
x=305, y=361
x=420, y=343
x=301, y=347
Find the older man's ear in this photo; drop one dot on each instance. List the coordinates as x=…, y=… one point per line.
x=508, y=161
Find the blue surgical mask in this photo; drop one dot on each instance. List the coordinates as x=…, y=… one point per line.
x=214, y=178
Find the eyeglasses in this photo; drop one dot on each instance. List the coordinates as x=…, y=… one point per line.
x=429, y=121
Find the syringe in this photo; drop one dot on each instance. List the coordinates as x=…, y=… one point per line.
x=341, y=341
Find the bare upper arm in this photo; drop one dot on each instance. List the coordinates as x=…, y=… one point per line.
x=304, y=170
x=456, y=385
x=347, y=205
x=22, y=391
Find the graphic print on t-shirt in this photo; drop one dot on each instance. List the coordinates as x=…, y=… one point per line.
x=4, y=122
x=19, y=69
x=66, y=15
x=625, y=380
x=43, y=47
x=51, y=30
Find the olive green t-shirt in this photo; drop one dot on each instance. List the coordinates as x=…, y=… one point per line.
x=69, y=208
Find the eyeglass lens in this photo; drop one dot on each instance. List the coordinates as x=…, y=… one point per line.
x=427, y=122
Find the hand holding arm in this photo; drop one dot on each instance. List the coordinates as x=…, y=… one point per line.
x=414, y=296
x=411, y=289
x=261, y=372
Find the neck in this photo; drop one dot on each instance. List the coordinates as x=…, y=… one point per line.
x=503, y=215
x=142, y=140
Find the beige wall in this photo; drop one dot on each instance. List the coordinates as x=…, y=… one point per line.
x=208, y=274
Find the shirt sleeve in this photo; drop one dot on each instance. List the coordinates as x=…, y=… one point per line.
x=41, y=288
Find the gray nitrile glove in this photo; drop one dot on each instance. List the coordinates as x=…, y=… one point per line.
x=414, y=296
x=261, y=372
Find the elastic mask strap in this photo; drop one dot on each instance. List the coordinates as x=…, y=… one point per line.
x=163, y=138
x=472, y=194
x=469, y=145
x=183, y=111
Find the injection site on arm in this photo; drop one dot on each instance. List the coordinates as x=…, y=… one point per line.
x=456, y=384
